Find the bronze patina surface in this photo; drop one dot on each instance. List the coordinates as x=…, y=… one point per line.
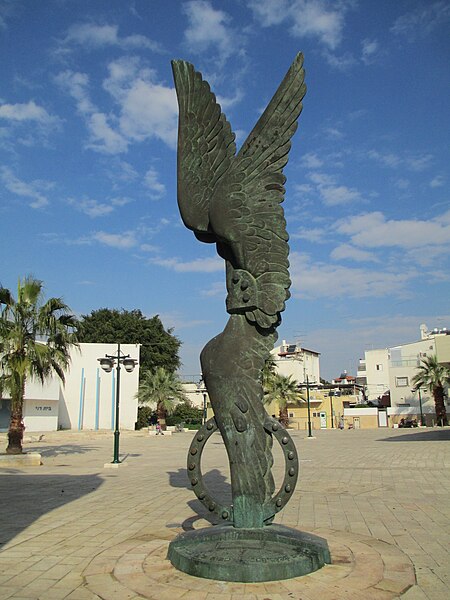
x=234, y=200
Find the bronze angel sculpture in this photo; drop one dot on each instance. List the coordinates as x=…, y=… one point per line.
x=234, y=200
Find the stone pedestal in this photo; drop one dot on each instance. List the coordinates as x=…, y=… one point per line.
x=17, y=461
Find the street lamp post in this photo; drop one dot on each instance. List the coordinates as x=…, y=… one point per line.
x=309, y=408
x=204, y=407
x=420, y=404
x=107, y=363
x=331, y=403
x=202, y=388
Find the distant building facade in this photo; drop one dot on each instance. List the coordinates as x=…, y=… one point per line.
x=298, y=362
x=391, y=370
x=86, y=400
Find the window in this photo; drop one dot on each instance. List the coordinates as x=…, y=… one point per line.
x=291, y=415
x=401, y=381
x=379, y=367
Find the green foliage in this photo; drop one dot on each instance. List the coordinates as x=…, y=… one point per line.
x=144, y=413
x=434, y=376
x=159, y=347
x=35, y=341
x=187, y=414
x=284, y=391
x=161, y=389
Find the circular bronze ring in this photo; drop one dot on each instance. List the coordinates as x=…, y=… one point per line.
x=225, y=512
x=279, y=501
x=195, y=473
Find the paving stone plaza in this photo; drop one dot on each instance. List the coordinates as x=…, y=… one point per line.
x=74, y=529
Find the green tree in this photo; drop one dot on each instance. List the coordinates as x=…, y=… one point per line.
x=35, y=342
x=434, y=376
x=283, y=390
x=159, y=346
x=161, y=389
x=186, y=413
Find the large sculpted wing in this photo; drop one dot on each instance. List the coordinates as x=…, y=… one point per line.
x=205, y=147
x=252, y=221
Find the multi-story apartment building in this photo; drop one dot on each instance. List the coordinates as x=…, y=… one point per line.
x=392, y=369
x=300, y=363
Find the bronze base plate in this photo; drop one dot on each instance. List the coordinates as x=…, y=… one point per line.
x=227, y=553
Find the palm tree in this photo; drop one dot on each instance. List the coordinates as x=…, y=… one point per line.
x=283, y=390
x=35, y=341
x=163, y=389
x=433, y=375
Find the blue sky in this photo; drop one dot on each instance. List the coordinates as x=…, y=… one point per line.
x=88, y=120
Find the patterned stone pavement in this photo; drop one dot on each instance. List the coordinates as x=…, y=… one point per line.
x=73, y=529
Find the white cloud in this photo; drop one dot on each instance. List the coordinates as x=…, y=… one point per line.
x=393, y=160
x=341, y=62
x=401, y=183
x=209, y=29
x=321, y=19
x=373, y=230
x=92, y=208
x=369, y=50
x=388, y=159
x=199, y=265
x=150, y=110
x=103, y=137
x=321, y=178
x=270, y=12
x=311, y=161
x=333, y=133
x=422, y=20
x=317, y=279
x=217, y=288
x=346, y=251
x=311, y=234
x=338, y=195
x=26, y=190
x=330, y=192
x=121, y=241
x=145, y=108
x=76, y=85
x=92, y=36
x=419, y=163
x=151, y=181
x=25, y=112
x=303, y=188
x=437, y=181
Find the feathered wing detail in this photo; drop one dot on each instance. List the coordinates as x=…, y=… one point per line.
x=205, y=147
x=253, y=224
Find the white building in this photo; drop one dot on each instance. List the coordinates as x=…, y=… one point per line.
x=373, y=373
x=196, y=393
x=86, y=400
x=392, y=369
x=291, y=359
